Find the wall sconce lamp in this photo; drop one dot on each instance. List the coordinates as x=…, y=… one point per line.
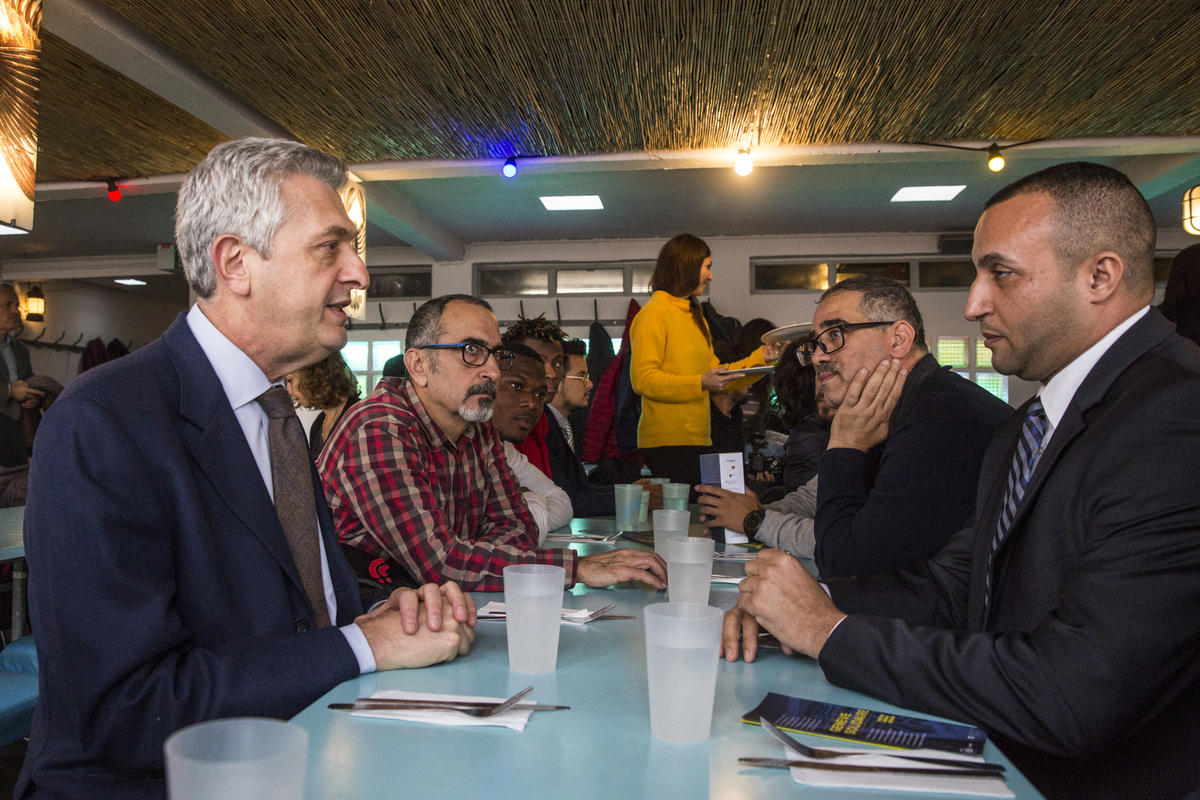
x=114, y=193
x=35, y=304
x=1191, y=211
x=509, y=170
x=743, y=164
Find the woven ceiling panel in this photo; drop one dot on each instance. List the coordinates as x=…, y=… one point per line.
x=96, y=124
x=397, y=79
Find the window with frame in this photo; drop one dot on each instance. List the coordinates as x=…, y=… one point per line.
x=366, y=359
x=401, y=283
x=969, y=357
x=565, y=279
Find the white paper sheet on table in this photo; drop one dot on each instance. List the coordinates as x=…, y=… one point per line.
x=894, y=782
x=735, y=579
x=497, y=610
x=513, y=718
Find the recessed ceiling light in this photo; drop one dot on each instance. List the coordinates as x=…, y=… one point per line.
x=572, y=202
x=919, y=194
x=129, y=281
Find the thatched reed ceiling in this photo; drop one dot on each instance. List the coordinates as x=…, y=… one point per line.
x=403, y=79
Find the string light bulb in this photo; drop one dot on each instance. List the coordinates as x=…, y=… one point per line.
x=743, y=164
x=114, y=193
x=509, y=170
x=995, y=160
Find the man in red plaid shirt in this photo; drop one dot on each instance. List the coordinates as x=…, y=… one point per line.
x=415, y=473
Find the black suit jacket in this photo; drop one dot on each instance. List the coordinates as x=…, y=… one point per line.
x=161, y=587
x=566, y=470
x=1086, y=666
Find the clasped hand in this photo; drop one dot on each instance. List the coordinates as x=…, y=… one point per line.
x=419, y=627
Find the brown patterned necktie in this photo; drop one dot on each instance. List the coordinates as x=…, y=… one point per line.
x=295, y=505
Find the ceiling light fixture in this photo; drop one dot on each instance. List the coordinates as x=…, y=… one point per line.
x=114, y=193
x=743, y=164
x=509, y=170
x=576, y=202
x=925, y=194
x=35, y=304
x=1191, y=211
x=129, y=281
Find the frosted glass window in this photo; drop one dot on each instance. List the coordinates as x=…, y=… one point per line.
x=494, y=282
x=896, y=270
x=995, y=383
x=361, y=378
x=641, y=279
x=983, y=356
x=946, y=274
x=355, y=354
x=952, y=351
x=591, y=281
x=382, y=351
x=790, y=277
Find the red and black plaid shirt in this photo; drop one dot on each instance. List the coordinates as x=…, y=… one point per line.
x=444, y=510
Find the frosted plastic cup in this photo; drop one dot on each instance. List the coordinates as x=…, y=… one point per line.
x=681, y=669
x=689, y=569
x=533, y=598
x=669, y=522
x=644, y=508
x=675, y=495
x=629, y=505
x=243, y=758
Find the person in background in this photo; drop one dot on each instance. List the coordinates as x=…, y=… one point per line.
x=328, y=385
x=520, y=397
x=574, y=393
x=898, y=480
x=547, y=447
x=796, y=391
x=182, y=562
x=14, y=358
x=1181, y=299
x=415, y=473
x=1063, y=619
x=673, y=366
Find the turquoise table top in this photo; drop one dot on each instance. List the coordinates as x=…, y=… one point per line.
x=601, y=748
x=12, y=540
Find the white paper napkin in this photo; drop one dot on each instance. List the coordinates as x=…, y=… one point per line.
x=928, y=784
x=497, y=610
x=513, y=718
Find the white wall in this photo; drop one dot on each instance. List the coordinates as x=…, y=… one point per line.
x=75, y=309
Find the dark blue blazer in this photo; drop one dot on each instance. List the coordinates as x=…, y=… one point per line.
x=1085, y=665
x=161, y=588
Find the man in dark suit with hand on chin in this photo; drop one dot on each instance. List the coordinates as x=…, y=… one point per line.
x=1064, y=620
x=182, y=559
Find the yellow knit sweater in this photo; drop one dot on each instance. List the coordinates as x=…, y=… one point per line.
x=669, y=357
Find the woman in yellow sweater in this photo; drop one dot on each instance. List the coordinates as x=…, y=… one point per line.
x=673, y=366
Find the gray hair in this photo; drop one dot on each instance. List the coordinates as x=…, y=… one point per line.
x=425, y=325
x=236, y=190
x=883, y=300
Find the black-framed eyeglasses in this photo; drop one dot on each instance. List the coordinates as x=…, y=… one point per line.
x=832, y=339
x=475, y=354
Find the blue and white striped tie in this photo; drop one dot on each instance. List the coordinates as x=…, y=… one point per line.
x=1025, y=459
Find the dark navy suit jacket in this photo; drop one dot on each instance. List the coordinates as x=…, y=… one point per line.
x=1085, y=665
x=161, y=588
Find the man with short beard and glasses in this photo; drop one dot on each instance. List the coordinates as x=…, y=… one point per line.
x=415, y=475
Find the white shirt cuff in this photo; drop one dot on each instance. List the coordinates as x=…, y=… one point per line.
x=362, y=651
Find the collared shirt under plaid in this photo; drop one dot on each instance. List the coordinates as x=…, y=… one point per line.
x=444, y=510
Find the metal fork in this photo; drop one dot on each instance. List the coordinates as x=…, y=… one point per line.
x=598, y=612
x=816, y=752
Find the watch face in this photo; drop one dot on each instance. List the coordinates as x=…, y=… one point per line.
x=752, y=521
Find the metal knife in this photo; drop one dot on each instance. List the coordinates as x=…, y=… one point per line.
x=783, y=763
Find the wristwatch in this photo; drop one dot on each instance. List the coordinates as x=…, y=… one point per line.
x=752, y=520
